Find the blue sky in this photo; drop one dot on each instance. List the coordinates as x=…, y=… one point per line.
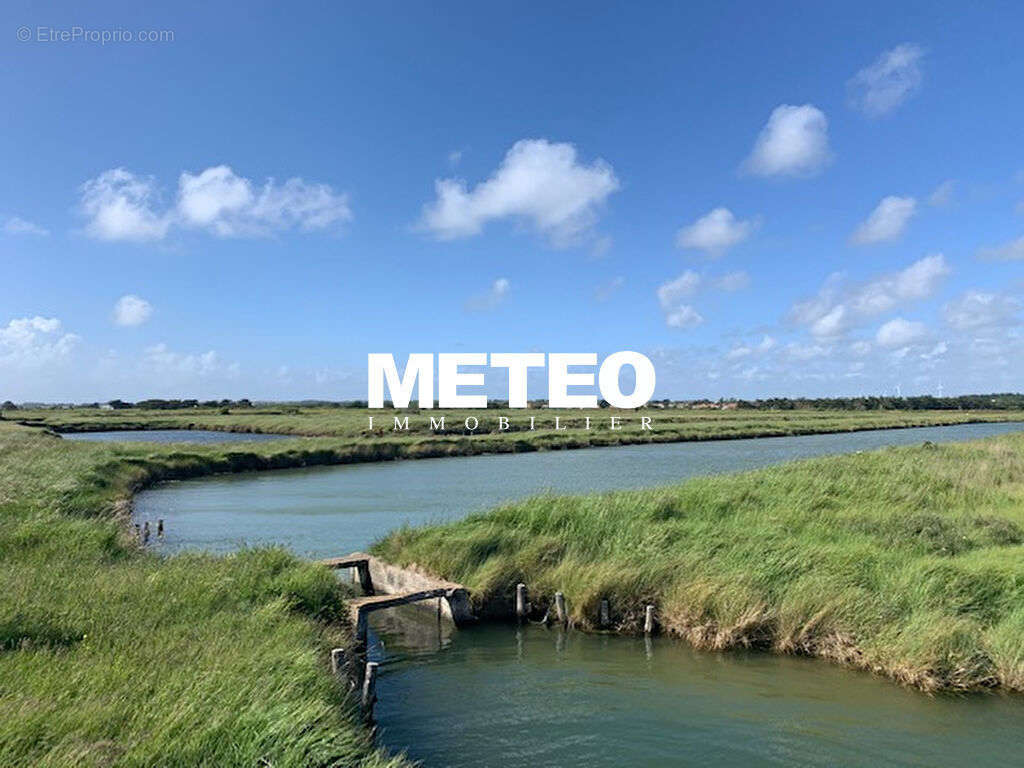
x=821, y=200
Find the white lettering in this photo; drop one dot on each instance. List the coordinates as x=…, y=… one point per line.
x=420, y=368
x=559, y=380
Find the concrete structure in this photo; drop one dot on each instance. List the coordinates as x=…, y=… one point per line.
x=387, y=586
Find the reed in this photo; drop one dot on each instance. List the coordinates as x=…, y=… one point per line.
x=904, y=561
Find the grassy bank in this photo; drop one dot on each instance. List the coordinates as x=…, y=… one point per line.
x=906, y=561
x=349, y=427
x=110, y=656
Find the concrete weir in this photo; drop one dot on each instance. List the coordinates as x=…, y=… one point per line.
x=386, y=586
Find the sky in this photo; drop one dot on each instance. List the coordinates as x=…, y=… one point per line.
x=809, y=199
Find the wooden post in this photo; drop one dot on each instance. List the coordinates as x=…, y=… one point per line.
x=370, y=687
x=563, y=617
x=145, y=532
x=649, y=619
x=520, y=601
x=337, y=660
x=160, y=527
x=138, y=532
x=605, y=618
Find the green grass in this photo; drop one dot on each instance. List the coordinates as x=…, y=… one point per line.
x=111, y=656
x=906, y=561
x=348, y=427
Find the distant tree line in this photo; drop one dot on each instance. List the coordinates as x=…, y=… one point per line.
x=1000, y=402
x=173, y=405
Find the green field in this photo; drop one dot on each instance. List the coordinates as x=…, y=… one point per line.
x=906, y=561
x=352, y=425
x=113, y=656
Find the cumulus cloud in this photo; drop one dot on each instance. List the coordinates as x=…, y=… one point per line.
x=887, y=222
x=684, y=286
x=977, y=309
x=231, y=206
x=683, y=316
x=1012, y=251
x=881, y=87
x=671, y=296
x=32, y=342
x=942, y=195
x=838, y=307
x=131, y=310
x=539, y=182
x=794, y=142
x=15, y=225
x=491, y=298
x=160, y=359
x=715, y=232
x=120, y=205
x=899, y=333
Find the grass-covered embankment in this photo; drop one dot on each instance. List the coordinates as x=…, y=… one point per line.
x=348, y=428
x=111, y=656
x=905, y=561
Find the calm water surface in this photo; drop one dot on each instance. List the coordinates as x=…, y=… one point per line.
x=170, y=436
x=328, y=511
x=501, y=696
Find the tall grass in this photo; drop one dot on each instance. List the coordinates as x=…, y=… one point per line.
x=110, y=656
x=352, y=424
x=906, y=561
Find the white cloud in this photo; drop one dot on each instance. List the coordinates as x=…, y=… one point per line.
x=131, y=310
x=832, y=323
x=684, y=286
x=607, y=289
x=15, y=225
x=161, y=360
x=881, y=87
x=976, y=309
x=942, y=195
x=887, y=222
x=1012, y=251
x=837, y=308
x=122, y=206
x=119, y=206
x=737, y=353
x=899, y=333
x=683, y=316
x=794, y=142
x=491, y=299
x=32, y=342
x=733, y=281
x=671, y=295
x=715, y=232
x=230, y=206
x=538, y=181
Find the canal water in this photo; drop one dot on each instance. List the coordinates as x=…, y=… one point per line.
x=329, y=511
x=505, y=696
x=170, y=436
